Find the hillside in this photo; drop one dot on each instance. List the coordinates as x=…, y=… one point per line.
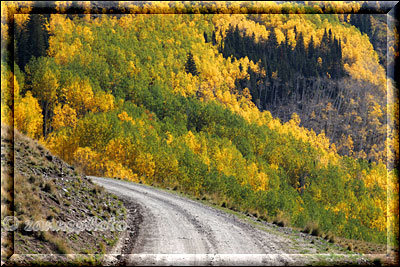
x=206, y=104
x=46, y=189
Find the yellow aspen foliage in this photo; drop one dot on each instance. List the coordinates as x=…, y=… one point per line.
x=341, y=207
x=60, y=24
x=375, y=111
x=28, y=117
x=381, y=223
x=184, y=84
x=263, y=178
x=15, y=11
x=6, y=114
x=88, y=160
x=117, y=170
x=198, y=144
x=4, y=32
x=374, y=153
x=295, y=120
x=227, y=159
x=123, y=116
x=132, y=69
x=346, y=145
x=9, y=90
x=191, y=141
x=79, y=95
x=253, y=176
x=85, y=33
x=145, y=166
x=63, y=49
x=170, y=138
x=101, y=102
x=376, y=176
x=167, y=169
x=280, y=37
x=22, y=19
x=246, y=93
x=121, y=150
x=62, y=145
x=64, y=116
x=45, y=84
x=393, y=205
x=11, y=83
x=61, y=6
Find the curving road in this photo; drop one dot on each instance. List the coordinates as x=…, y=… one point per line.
x=177, y=230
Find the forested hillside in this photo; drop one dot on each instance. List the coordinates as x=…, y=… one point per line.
x=322, y=69
x=283, y=115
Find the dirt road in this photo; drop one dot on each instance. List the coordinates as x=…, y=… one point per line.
x=176, y=230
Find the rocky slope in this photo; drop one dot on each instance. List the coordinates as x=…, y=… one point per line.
x=53, y=193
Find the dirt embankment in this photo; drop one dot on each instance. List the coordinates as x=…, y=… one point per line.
x=44, y=194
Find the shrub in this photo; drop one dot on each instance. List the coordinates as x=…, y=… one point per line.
x=350, y=247
x=32, y=179
x=377, y=262
x=264, y=217
x=280, y=220
x=61, y=246
x=49, y=188
x=97, y=189
x=316, y=232
x=331, y=238
x=308, y=228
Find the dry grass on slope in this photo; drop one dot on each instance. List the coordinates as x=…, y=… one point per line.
x=47, y=189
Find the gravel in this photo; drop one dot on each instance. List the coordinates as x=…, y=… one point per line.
x=179, y=231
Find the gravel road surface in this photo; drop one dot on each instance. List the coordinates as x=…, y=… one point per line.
x=178, y=231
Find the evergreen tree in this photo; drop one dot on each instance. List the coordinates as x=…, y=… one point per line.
x=366, y=23
x=251, y=45
x=354, y=20
x=341, y=71
x=32, y=41
x=272, y=44
x=229, y=46
x=190, y=66
x=311, y=70
x=362, y=22
x=221, y=35
x=334, y=70
x=324, y=40
x=213, y=38
x=300, y=53
x=272, y=41
x=311, y=49
x=237, y=42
